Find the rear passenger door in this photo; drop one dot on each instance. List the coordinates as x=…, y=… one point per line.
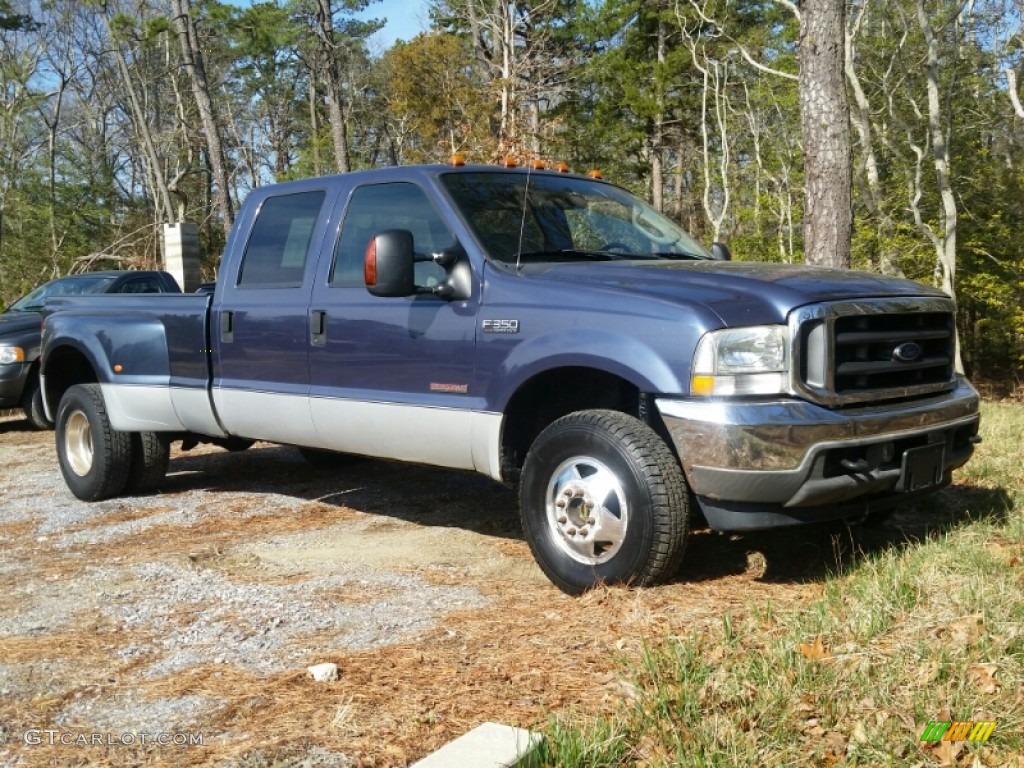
x=392, y=376
x=260, y=322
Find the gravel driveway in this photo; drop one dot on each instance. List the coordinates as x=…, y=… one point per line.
x=253, y=561
x=175, y=629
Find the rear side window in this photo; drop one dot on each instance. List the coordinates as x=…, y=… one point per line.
x=377, y=207
x=276, y=254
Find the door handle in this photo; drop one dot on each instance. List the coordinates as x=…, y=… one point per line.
x=318, y=328
x=227, y=326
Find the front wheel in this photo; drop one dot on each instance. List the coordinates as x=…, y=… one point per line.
x=603, y=500
x=94, y=458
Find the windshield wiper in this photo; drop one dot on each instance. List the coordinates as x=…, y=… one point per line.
x=680, y=256
x=566, y=254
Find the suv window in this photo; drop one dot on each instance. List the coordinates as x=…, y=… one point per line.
x=275, y=256
x=374, y=208
x=148, y=284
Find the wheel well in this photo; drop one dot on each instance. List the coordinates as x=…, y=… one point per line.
x=65, y=367
x=553, y=394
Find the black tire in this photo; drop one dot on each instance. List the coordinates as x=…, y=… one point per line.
x=32, y=403
x=94, y=458
x=321, y=459
x=616, y=464
x=151, y=453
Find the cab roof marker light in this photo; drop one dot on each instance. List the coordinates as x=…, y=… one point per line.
x=510, y=162
x=562, y=167
x=595, y=174
x=538, y=165
x=458, y=161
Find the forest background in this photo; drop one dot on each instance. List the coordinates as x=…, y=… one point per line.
x=121, y=115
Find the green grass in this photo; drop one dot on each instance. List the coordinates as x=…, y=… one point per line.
x=918, y=625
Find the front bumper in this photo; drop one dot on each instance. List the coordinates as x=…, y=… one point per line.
x=759, y=464
x=12, y=383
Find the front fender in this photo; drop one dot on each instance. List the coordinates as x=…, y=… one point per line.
x=627, y=357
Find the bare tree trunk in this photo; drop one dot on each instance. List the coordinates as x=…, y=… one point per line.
x=154, y=170
x=193, y=58
x=658, y=134
x=860, y=113
x=715, y=77
x=946, y=245
x=328, y=56
x=504, y=37
x=314, y=128
x=825, y=127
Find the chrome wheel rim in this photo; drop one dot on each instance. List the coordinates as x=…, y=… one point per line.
x=78, y=443
x=587, y=510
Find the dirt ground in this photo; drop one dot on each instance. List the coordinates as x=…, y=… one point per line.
x=191, y=615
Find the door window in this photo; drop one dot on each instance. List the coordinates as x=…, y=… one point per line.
x=275, y=256
x=375, y=208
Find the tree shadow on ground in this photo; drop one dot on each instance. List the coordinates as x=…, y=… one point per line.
x=813, y=552
x=414, y=493
x=431, y=496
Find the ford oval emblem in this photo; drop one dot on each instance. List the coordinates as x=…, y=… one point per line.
x=907, y=353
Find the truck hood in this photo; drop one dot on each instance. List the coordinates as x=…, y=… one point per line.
x=740, y=293
x=18, y=322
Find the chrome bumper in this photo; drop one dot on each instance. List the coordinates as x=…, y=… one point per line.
x=790, y=454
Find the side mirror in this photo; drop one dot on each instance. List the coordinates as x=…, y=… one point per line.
x=721, y=252
x=388, y=264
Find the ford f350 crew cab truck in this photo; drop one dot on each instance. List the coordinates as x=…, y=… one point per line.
x=544, y=329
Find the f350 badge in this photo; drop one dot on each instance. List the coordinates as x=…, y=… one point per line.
x=501, y=326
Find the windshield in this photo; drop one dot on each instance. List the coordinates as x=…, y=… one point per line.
x=66, y=286
x=564, y=219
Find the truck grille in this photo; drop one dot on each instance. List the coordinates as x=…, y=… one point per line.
x=868, y=351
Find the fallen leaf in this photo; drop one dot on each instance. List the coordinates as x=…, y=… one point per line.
x=814, y=651
x=965, y=631
x=836, y=743
x=947, y=752
x=805, y=704
x=859, y=734
x=983, y=677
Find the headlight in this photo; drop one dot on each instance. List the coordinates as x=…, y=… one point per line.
x=741, y=361
x=11, y=355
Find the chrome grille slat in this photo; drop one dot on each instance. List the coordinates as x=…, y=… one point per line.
x=867, y=369
x=865, y=337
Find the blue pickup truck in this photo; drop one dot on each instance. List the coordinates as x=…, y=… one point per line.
x=542, y=328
